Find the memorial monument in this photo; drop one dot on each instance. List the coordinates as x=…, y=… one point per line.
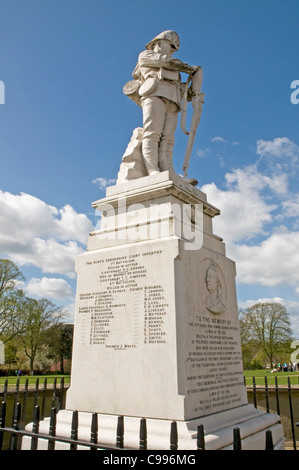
x=156, y=324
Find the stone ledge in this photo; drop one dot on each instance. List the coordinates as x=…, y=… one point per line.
x=218, y=430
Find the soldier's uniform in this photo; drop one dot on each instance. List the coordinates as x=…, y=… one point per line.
x=161, y=95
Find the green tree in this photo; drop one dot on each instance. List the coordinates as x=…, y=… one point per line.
x=60, y=341
x=12, y=301
x=42, y=316
x=268, y=326
x=31, y=327
x=9, y=274
x=12, y=315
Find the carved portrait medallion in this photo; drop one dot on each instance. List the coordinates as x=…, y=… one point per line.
x=214, y=285
x=212, y=288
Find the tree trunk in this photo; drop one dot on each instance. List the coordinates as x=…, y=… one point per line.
x=31, y=366
x=61, y=364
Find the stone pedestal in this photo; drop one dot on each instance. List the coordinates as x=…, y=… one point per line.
x=151, y=339
x=156, y=326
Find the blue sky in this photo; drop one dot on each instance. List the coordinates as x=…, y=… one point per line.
x=66, y=122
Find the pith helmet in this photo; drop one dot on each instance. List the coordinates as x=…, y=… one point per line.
x=171, y=36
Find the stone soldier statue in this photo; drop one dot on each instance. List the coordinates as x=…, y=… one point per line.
x=158, y=90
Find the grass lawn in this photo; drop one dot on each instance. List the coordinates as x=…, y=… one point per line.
x=261, y=374
x=248, y=374
x=32, y=379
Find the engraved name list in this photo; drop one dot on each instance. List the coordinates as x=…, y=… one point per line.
x=126, y=306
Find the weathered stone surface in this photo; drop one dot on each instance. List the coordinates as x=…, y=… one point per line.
x=132, y=165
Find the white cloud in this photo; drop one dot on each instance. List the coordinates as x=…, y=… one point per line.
x=102, y=183
x=219, y=139
x=291, y=206
x=273, y=262
x=48, y=255
x=69, y=312
x=278, y=147
x=244, y=212
x=203, y=153
x=39, y=219
x=35, y=233
x=281, y=154
x=71, y=225
x=250, y=179
x=49, y=288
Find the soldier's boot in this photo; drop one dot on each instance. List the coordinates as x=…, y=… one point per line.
x=165, y=159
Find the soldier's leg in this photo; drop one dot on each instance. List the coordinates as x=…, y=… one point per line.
x=167, y=139
x=154, y=110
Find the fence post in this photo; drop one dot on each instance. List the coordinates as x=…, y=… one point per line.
x=62, y=393
x=237, y=445
x=174, y=436
x=52, y=429
x=24, y=407
x=120, y=432
x=74, y=430
x=200, y=437
x=16, y=425
x=35, y=427
x=36, y=392
x=2, y=422
x=94, y=430
x=291, y=413
x=44, y=399
x=16, y=396
x=269, y=440
x=54, y=392
x=254, y=391
x=267, y=394
x=277, y=396
x=5, y=390
x=143, y=435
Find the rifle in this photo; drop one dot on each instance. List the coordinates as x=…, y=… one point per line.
x=197, y=102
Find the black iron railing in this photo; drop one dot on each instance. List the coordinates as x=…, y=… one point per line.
x=23, y=404
x=34, y=393
x=276, y=398
x=16, y=433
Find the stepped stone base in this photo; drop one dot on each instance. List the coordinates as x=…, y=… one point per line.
x=252, y=423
